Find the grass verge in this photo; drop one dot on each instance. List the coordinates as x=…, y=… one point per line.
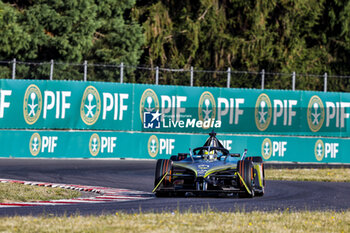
x=328, y=175
x=206, y=221
x=12, y=192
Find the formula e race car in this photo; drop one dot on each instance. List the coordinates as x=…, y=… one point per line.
x=210, y=169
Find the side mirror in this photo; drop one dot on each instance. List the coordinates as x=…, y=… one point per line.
x=235, y=155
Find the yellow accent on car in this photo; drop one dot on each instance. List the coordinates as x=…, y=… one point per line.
x=219, y=169
x=246, y=187
x=159, y=182
x=259, y=171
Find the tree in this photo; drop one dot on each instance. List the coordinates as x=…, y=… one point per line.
x=14, y=39
x=278, y=36
x=117, y=39
x=70, y=32
x=333, y=30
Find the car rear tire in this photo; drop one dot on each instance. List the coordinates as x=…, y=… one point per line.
x=255, y=159
x=245, y=169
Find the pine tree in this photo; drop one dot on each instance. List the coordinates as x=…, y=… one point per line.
x=278, y=36
x=69, y=32
x=14, y=39
x=117, y=39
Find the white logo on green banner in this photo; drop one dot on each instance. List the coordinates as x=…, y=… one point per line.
x=153, y=146
x=263, y=111
x=266, y=148
x=90, y=106
x=315, y=113
x=35, y=144
x=206, y=107
x=149, y=102
x=32, y=104
x=94, y=144
x=319, y=150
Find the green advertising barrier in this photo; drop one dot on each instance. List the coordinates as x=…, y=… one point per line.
x=247, y=111
x=101, y=144
x=75, y=105
x=65, y=105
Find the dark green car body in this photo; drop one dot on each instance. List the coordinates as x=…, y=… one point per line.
x=210, y=169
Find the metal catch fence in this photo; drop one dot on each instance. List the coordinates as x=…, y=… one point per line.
x=123, y=73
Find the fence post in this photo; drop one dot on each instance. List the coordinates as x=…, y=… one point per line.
x=14, y=68
x=121, y=72
x=85, y=70
x=228, y=77
x=293, y=81
x=157, y=75
x=51, y=70
x=191, y=76
x=262, y=79
x=325, y=82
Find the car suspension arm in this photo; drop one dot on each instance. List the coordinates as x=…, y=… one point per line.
x=246, y=187
x=155, y=188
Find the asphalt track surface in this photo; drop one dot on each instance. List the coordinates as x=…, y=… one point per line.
x=139, y=175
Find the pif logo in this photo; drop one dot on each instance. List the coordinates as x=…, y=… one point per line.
x=263, y=111
x=266, y=148
x=94, y=144
x=101, y=145
x=149, y=103
x=319, y=150
x=273, y=148
x=35, y=144
x=90, y=106
x=44, y=144
x=153, y=146
x=326, y=150
x=206, y=107
x=32, y=104
x=315, y=113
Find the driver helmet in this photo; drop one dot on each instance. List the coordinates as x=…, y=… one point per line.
x=212, y=155
x=205, y=154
